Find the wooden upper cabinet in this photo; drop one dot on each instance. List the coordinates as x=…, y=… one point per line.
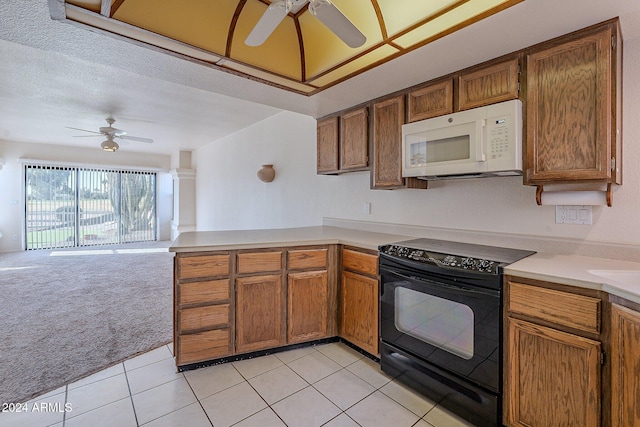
x=354, y=140
x=430, y=101
x=386, y=167
x=488, y=85
x=571, y=110
x=328, y=145
x=388, y=118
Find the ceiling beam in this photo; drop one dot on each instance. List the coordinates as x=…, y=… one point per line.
x=232, y=27
x=115, y=5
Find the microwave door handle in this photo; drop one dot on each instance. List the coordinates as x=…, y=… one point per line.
x=480, y=128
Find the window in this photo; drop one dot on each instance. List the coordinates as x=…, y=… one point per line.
x=70, y=206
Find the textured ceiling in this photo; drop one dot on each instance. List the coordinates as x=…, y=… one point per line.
x=55, y=75
x=302, y=54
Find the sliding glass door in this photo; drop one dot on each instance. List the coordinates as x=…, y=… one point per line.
x=68, y=206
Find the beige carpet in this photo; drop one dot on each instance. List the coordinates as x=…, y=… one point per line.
x=71, y=312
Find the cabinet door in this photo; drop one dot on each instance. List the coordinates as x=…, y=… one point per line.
x=354, y=140
x=569, y=111
x=431, y=101
x=625, y=366
x=328, y=140
x=552, y=377
x=388, y=118
x=488, y=85
x=307, y=306
x=259, y=313
x=359, y=311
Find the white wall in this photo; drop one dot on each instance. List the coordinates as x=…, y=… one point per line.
x=229, y=196
x=11, y=176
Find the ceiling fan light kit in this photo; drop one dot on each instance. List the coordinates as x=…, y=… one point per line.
x=324, y=10
x=109, y=145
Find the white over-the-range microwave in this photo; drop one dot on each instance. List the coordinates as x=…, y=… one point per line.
x=481, y=142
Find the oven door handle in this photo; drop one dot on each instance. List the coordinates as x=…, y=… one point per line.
x=459, y=289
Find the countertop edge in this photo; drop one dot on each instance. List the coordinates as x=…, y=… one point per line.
x=302, y=236
x=597, y=286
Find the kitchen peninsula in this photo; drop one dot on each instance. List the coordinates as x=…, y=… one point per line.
x=247, y=292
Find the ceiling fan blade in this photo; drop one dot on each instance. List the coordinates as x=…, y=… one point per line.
x=84, y=130
x=273, y=16
x=335, y=20
x=88, y=136
x=136, y=138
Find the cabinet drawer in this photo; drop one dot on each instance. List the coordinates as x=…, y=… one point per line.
x=193, y=267
x=255, y=262
x=559, y=307
x=192, y=319
x=203, y=346
x=203, y=292
x=360, y=262
x=307, y=258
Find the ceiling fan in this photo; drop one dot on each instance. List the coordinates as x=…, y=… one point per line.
x=324, y=10
x=110, y=132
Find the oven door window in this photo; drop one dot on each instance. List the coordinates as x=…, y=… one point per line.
x=442, y=323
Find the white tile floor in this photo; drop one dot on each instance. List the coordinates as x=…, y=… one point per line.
x=327, y=385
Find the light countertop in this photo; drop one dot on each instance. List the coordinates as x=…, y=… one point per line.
x=621, y=278
x=280, y=237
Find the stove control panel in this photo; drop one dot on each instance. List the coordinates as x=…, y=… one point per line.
x=445, y=260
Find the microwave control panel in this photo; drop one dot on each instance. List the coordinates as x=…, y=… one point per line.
x=499, y=134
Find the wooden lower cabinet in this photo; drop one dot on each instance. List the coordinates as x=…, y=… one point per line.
x=307, y=306
x=553, y=377
x=202, y=307
x=259, y=313
x=625, y=366
x=207, y=345
x=359, y=311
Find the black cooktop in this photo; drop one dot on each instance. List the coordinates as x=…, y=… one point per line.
x=458, y=255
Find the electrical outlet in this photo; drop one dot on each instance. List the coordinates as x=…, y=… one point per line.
x=566, y=214
x=367, y=208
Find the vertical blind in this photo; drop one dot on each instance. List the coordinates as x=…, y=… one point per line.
x=71, y=206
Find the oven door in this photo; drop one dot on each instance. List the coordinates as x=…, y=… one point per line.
x=447, y=321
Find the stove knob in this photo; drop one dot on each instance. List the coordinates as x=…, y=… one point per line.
x=485, y=264
x=449, y=260
x=468, y=262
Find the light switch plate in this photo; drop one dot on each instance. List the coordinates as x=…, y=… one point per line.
x=566, y=214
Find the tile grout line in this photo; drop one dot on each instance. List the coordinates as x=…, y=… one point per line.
x=126, y=377
x=66, y=396
x=198, y=399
